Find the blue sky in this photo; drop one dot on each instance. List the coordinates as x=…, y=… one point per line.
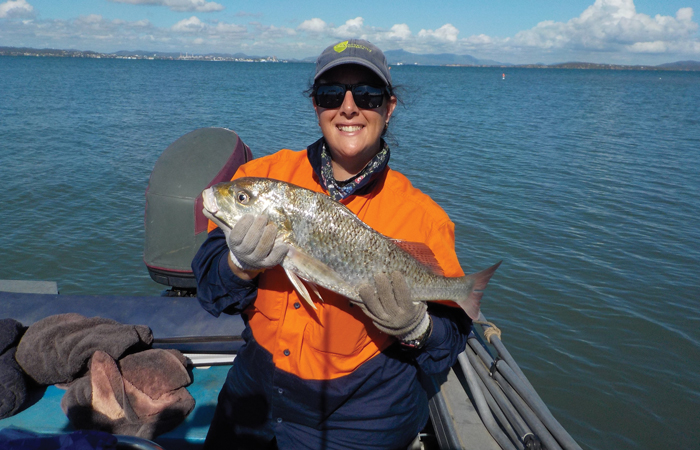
x=604, y=31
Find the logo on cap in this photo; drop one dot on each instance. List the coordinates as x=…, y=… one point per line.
x=341, y=46
x=345, y=44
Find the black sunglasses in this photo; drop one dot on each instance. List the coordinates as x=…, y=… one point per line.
x=364, y=95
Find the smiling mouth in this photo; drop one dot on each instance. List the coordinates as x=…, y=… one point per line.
x=349, y=128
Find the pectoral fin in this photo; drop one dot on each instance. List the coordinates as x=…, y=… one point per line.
x=315, y=273
x=318, y=294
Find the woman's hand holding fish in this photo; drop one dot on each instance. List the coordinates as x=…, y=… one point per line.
x=252, y=244
x=388, y=303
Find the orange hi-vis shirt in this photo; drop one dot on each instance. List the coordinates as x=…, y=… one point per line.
x=337, y=338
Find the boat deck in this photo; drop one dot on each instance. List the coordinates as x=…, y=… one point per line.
x=44, y=414
x=176, y=320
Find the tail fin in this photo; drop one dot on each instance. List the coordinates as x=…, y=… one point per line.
x=476, y=283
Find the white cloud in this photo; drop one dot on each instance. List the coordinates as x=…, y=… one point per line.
x=648, y=47
x=353, y=28
x=399, y=31
x=271, y=32
x=193, y=24
x=16, y=9
x=607, y=31
x=91, y=32
x=314, y=25
x=446, y=33
x=481, y=39
x=91, y=20
x=444, y=38
x=178, y=5
x=611, y=25
x=229, y=28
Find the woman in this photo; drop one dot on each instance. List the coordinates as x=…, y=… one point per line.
x=342, y=376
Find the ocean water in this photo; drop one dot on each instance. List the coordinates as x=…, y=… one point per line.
x=585, y=183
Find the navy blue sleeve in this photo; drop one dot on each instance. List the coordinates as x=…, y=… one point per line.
x=446, y=341
x=218, y=288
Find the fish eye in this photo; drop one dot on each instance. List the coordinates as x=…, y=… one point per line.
x=242, y=197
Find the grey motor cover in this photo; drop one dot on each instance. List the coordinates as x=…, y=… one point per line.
x=175, y=225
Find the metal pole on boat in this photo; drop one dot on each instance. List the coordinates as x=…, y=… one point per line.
x=523, y=410
x=482, y=406
x=536, y=405
x=495, y=340
x=505, y=355
x=530, y=417
x=489, y=398
x=508, y=409
x=510, y=370
x=497, y=410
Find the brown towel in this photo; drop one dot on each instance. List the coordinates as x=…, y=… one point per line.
x=142, y=395
x=56, y=349
x=13, y=386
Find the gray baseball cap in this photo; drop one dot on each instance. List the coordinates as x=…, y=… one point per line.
x=354, y=51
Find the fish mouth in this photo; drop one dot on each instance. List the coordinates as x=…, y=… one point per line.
x=211, y=207
x=209, y=201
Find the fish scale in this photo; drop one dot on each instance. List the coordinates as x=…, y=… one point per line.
x=331, y=247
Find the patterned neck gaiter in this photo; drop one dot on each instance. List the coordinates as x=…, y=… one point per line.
x=338, y=190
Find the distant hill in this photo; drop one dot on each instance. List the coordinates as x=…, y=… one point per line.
x=14, y=51
x=133, y=54
x=682, y=65
x=440, y=59
x=679, y=65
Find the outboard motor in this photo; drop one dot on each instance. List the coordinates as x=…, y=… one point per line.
x=175, y=225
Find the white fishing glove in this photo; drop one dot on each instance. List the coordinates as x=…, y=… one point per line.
x=388, y=303
x=252, y=243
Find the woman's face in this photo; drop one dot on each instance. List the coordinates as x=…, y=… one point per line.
x=353, y=134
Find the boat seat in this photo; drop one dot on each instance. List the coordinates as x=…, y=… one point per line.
x=176, y=322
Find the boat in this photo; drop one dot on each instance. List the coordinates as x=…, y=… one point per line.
x=484, y=402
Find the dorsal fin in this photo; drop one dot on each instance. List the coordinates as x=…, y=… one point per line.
x=422, y=253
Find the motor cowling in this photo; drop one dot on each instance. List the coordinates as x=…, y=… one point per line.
x=174, y=223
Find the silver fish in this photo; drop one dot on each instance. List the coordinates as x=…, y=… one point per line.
x=330, y=246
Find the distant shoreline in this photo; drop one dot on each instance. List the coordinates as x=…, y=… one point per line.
x=58, y=53
x=584, y=66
